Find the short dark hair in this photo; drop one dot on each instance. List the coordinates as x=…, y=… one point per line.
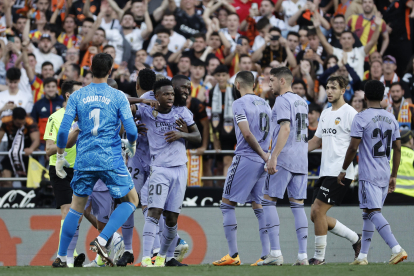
x=315, y=107
x=275, y=29
x=244, y=37
x=347, y=31
x=299, y=81
x=168, y=13
x=198, y=62
x=88, y=19
x=177, y=78
x=282, y=72
x=163, y=30
x=112, y=83
x=86, y=72
x=46, y=63
x=49, y=80
x=243, y=56
x=374, y=90
x=397, y=83
x=342, y=82
x=101, y=29
x=13, y=74
x=68, y=87
x=160, y=83
x=339, y=16
x=31, y=55
x=108, y=46
x=214, y=34
x=146, y=78
x=294, y=34
x=311, y=32
x=200, y=35
x=245, y=78
x=128, y=12
x=53, y=28
x=158, y=54
x=101, y=64
x=19, y=113
x=212, y=57
x=233, y=13
x=262, y=23
x=76, y=67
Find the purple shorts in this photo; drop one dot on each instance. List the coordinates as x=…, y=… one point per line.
x=102, y=205
x=139, y=173
x=371, y=196
x=143, y=194
x=245, y=180
x=295, y=183
x=166, y=188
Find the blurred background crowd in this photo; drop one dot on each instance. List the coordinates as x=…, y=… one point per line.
x=45, y=42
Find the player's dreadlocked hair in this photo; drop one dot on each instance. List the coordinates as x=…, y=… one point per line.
x=374, y=90
x=146, y=79
x=160, y=83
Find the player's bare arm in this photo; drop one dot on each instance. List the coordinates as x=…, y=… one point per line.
x=280, y=144
x=251, y=140
x=314, y=143
x=396, y=157
x=152, y=103
x=350, y=155
x=193, y=135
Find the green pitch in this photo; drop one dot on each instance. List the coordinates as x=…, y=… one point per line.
x=202, y=270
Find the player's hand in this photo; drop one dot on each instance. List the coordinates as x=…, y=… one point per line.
x=172, y=136
x=133, y=109
x=341, y=176
x=392, y=184
x=266, y=157
x=142, y=129
x=271, y=166
x=152, y=103
x=182, y=126
x=60, y=163
x=129, y=148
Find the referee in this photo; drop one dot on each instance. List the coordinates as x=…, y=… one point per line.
x=334, y=133
x=61, y=187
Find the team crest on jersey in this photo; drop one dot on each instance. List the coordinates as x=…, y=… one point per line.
x=155, y=113
x=20, y=102
x=337, y=121
x=176, y=116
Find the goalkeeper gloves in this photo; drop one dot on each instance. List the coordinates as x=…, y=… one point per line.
x=130, y=148
x=60, y=163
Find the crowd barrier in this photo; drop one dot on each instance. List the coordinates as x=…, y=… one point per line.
x=30, y=237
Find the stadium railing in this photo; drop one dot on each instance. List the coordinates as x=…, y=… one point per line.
x=207, y=152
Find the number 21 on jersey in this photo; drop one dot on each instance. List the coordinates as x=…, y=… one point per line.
x=94, y=115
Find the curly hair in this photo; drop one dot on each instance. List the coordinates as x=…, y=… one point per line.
x=160, y=83
x=374, y=90
x=146, y=79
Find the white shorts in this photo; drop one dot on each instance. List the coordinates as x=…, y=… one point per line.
x=166, y=188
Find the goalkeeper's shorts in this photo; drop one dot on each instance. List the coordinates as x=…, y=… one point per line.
x=119, y=182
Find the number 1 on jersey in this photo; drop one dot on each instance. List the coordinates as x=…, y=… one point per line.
x=94, y=115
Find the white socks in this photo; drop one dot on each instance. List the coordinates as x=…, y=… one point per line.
x=362, y=256
x=302, y=256
x=62, y=258
x=320, y=246
x=344, y=232
x=276, y=253
x=396, y=249
x=102, y=241
x=70, y=260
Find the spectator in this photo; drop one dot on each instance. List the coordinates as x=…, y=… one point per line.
x=245, y=64
x=303, y=39
x=160, y=66
x=58, y=48
x=375, y=56
x=232, y=30
x=243, y=7
x=47, y=105
x=232, y=60
x=300, y=88
x=264, y=88
x=73, y=72
x=400, y=107
x=315, y=52
x=357, y=101
x=362, y=25
x=176, y=40
x=338, y=27
x=222, y=9
x=21, y=132
x=135, y=36
x=396, y=17
x=306, y=14
x=263, y=26
x=217, y=43
x=188, y=22
x=210, y=80
x=141, y=55
x=44, y=53
x=108, y=20
x=288, y=8
x=375, y=72
x=196, y=51
x=220, y=101
x=267, y=8
x=314, y=160
x=408, y=78
x=161, y=44
x=69, y=38
x=87, y=79
x=356, y=56
x=77, y=9
x=14, y=97
x=183, y=66
x=276, y=50
x=197, y=71
x=72, y=56
x=293, y=42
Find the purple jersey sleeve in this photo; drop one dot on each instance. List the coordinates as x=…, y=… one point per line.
x=396, y=134
x=357, y=129
x=239, y=112
x=283, y=110
x=187, y=116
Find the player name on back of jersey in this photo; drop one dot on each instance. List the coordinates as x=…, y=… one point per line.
x=382, y=118
x=300, y=102
x=103, y=99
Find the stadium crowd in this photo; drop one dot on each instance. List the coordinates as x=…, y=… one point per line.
x=44, y=43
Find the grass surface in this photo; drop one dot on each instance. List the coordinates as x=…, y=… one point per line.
x=201, y=270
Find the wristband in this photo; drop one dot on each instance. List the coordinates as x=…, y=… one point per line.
x=60, y=156
x=343, y=171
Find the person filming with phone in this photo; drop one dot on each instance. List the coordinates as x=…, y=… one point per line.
x=275, y=48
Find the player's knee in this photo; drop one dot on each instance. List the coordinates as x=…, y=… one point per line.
x=170, y=218
x=369, y=211
x=154, y=213
x=315, y=212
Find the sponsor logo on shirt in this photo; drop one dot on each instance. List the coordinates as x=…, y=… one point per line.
x=329, y=131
